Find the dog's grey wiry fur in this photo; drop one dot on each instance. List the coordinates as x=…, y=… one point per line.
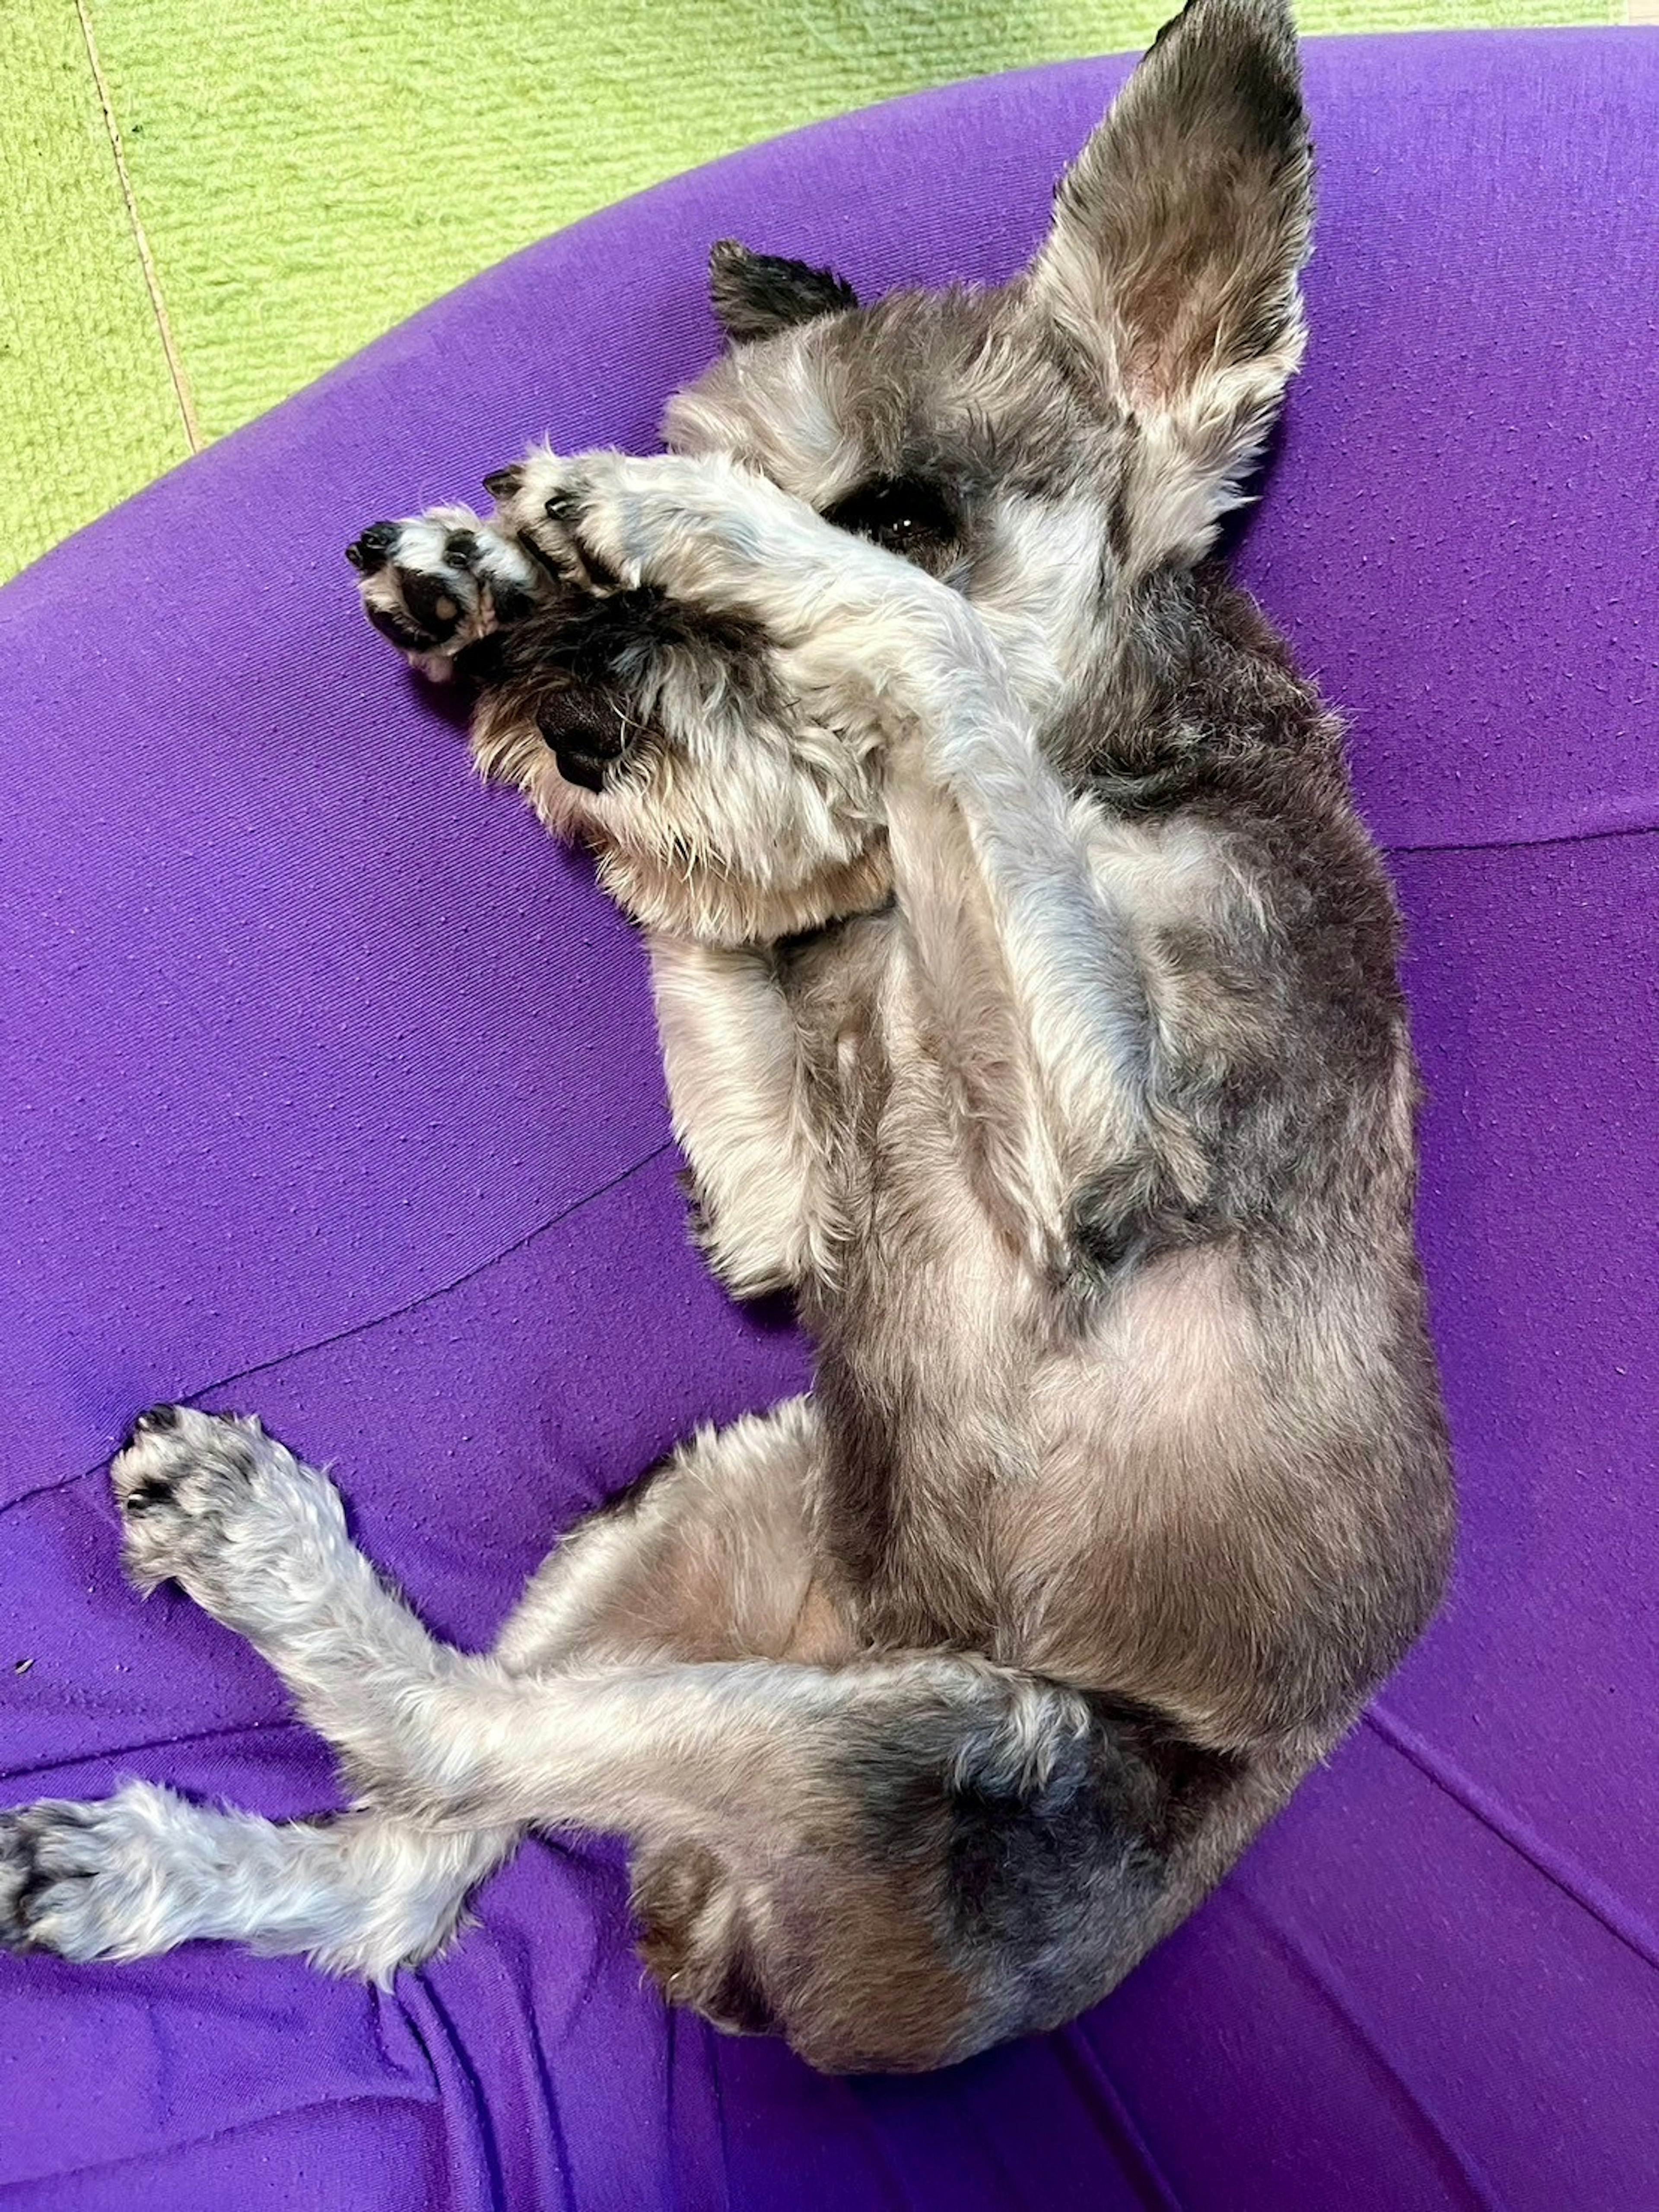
x=1027, y=990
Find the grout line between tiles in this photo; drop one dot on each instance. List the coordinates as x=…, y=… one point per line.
x=152, y=282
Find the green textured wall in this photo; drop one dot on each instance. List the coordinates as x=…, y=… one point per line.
x=203, y=203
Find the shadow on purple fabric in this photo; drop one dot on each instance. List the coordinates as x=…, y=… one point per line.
x=330, y=1088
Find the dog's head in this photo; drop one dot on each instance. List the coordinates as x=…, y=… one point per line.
x=1050, y=448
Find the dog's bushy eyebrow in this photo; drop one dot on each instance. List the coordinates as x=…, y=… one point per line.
x=755, y=294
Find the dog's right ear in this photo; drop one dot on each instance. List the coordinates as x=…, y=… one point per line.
x=756, y=295
x=1171, y=273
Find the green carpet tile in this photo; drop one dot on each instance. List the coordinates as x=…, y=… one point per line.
x=203, y=203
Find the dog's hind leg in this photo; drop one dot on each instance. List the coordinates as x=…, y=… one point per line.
x=891, y=1860
x=706, y=1557
x=145, y=1870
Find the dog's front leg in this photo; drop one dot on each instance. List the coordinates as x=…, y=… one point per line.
x=741, y=1114
x=1021, y=934
x=1032, y=959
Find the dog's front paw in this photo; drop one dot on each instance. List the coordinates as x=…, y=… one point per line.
x=566, y=513
x=543, y=503
x=212, y=1502
x=703, y=529
x=91, y=1881
x=436, y=583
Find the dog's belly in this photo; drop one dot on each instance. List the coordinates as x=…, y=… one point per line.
x=1096, y=1507
x=907, y=1505
x=1107, y=1499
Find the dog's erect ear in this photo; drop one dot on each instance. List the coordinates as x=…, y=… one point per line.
x=756, y=293
x=1171, y=268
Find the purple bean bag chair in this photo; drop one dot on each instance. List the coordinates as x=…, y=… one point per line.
x=331, y=1089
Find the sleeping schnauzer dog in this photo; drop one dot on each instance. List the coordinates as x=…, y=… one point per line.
x=1027, y=991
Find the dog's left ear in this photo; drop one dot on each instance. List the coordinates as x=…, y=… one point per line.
x=756, y=295
x=1171, y=268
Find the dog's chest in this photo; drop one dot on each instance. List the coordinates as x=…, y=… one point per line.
x=897, y=1126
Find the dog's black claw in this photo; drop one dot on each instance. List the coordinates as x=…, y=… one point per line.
x=501, y=483
x=563, y=506
x=152, y=1419
x=541, y=556
x=373, y=549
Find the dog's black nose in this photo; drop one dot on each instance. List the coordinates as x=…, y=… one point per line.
x=587, y=734
x=373, y=548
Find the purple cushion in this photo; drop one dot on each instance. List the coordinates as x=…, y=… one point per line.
x=331, y=1089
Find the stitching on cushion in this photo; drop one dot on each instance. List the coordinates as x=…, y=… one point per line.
x=1556, y=1866
x=46, y=1489
x=112, y=1760
x=443, y=1290
x=375, y=1321
x=1309, y=1963
x=15, y=2191
x=1095, y=2082
x=1524, y=844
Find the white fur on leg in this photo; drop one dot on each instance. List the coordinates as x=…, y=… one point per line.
x=729, y=1052
x=143, y=1871
x=253, y=1535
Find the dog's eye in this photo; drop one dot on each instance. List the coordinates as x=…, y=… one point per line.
x=904, y=515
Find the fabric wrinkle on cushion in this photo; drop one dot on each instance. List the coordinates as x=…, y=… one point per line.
x=274, y=1079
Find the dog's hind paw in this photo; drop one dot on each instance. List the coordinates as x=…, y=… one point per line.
x=211, y=1501
x=88, y=1881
